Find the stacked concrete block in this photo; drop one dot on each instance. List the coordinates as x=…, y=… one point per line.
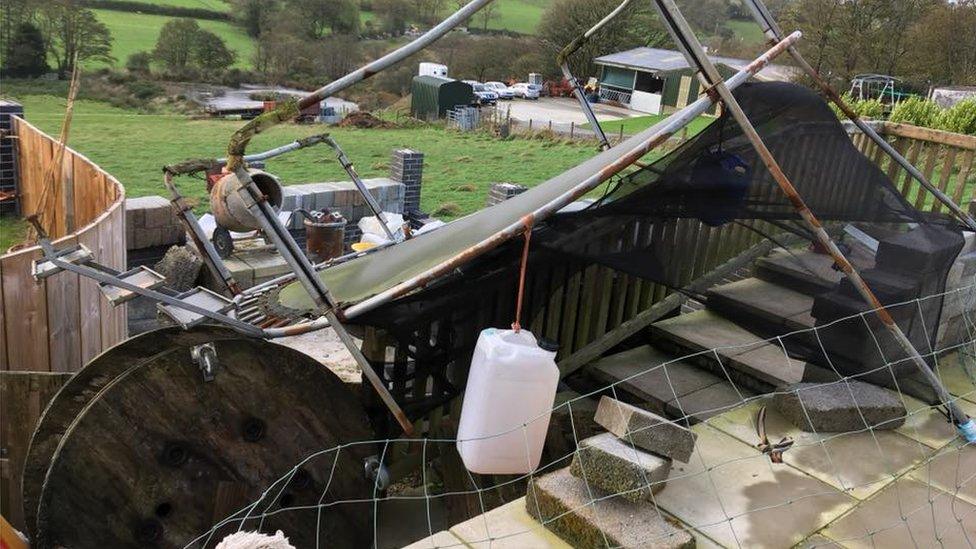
x=343, y=197
x=622, y=469
x=151, y=221
x=407, y=168
x=501, y=192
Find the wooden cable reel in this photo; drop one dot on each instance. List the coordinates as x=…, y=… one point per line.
x=139, y=450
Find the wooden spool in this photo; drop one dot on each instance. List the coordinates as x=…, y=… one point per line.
x=140, y=450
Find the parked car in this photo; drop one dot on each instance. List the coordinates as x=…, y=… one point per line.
x=482, y=94
x=525, y=91
x=502, y=90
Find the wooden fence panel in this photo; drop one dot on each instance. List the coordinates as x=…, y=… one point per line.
x=62, y=322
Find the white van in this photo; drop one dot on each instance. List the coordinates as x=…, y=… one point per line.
x=433, y=69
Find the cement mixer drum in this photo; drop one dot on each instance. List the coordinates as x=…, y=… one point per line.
x=230, y=209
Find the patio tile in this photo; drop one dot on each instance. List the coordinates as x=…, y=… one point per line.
x=930, y=519
x=927, y=425
x=731, y=493
x=955, y=371
x=508, y=526
x=442, y=539
x=851, y=462
x=952, y=470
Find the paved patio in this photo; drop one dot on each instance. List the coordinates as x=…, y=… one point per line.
x=910, y=487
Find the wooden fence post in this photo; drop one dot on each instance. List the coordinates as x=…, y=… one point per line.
x=572, y=128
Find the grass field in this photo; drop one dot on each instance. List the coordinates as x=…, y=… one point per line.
x=639, y=123
x=518, y=15
x=212, y=5
x=134, y=32
x=748, y=31
x=458, y=167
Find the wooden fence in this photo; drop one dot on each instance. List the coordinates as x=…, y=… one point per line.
x=59, y=324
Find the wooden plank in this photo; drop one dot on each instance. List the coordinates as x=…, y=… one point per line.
x=927, y=134
x=964, y=168
x=64, y=320
x=4, y=365
x=23, y=397
x=89, y=304
x=25, y=314
x=947, y=167
x=912, y=158
x=930, y=157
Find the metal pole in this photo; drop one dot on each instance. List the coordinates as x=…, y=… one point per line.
x=563, y=59
x=772, y=31
x=370, y=201
x=653, y=137
x=692, y=49
x=305, y=273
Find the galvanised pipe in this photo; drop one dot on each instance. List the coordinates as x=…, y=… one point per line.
x=664, y=130
x=772, y=31
x=689, y=45
x=290, y=109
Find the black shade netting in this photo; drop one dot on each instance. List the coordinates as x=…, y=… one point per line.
x=715, y=181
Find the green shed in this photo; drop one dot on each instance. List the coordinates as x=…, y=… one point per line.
x=433, y=96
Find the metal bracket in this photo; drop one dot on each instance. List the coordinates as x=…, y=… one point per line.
x=376, y=472
x=205, y=356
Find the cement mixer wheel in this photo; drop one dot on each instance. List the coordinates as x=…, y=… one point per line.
x=140, y=451
x=223, y=242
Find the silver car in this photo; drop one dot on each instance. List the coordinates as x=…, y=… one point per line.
x=524, y=90
x=501, y=89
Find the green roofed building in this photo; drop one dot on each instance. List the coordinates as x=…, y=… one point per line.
x=432, y=96
x=659, y=81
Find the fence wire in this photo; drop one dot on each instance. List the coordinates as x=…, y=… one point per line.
x=941, y=517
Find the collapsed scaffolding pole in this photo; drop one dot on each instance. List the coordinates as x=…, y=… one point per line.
x=563, y=59
x=773, y=31
x=693, y=51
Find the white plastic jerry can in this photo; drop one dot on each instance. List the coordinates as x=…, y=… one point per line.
x=507, y=403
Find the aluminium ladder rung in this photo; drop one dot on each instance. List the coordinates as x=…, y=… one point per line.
x=141, y=276
x=77, y=254
x=201, y=297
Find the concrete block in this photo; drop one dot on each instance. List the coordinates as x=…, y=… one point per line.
x=571, y=421
x=266, y=264
x=830, y=408
x=181, y=267
x=645, y=429
x=563, y=504
x=619, y=468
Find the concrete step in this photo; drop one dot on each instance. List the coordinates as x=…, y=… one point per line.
x=674, y=389
x=586, y=517
x=617, y=467
x=769, y=307
x=745, y=357
x=800, y=270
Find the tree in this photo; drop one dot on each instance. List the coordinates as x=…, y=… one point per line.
x=73, y=33
x=321, y=17
x=393, y=15
x=565, y=20
x=487, y=14
x=177, y=38
x=25, y=54
x=255, y=15
x=943, y=45
x=139, y=62
x=210, y=52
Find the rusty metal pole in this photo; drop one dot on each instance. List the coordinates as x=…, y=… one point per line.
x=688, y=43
x=773, y=32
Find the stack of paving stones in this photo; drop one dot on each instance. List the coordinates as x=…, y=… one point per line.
x=342, y=197
x=606, y=495
x=150, y=221
x=8, y=154
x=501, y=192
x=840, y=407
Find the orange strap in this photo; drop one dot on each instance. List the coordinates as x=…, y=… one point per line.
x=527, y=221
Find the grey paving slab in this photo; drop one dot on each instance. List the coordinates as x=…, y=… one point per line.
x=587, y=518
x=703, y=330
x=927, y=425
x=652, y=374
x=769, y=302
x=857, y=463
x=731, y=493
x=616, y=467
x=708, y=402
x=440, y=540
x=931, y=519
x=807, y=269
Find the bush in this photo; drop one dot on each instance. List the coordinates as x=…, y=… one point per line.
x=959, y=118
x=26, y=55
x=916, y=111
x=870, y=109
x=145, y=90
x=139, y=62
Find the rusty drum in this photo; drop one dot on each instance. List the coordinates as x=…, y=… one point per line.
x=324, y=235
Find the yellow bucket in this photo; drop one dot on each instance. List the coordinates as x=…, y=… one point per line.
x=362, y=246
